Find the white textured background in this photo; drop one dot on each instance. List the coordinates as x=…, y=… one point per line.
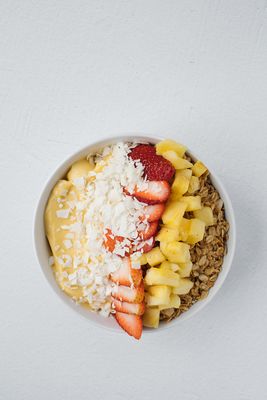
x=192, y=70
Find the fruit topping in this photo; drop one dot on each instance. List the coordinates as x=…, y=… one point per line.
x=132, y=324
x=129, y=294
x=128, y=308
x=156, y=167
x=126, y=275
x=156, y=192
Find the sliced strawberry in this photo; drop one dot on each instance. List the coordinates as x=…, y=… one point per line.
x=153, y=212
x=126, y=275
x=129, y=294
x=111, y=241
x=142, y=151
x=132, y=324
x=150, y=231
x=157, y=168
x=128, y=308
x=157, y=192
x=146, y=245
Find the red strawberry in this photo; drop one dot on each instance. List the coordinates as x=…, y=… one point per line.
x=111, y=240
x=128, y=308
x=157, y=192
x=126, y=275
x=142, y=151
x=157, y=168
x=153, y=212
x=128, y=294
x=150, y=231
x=132, y=324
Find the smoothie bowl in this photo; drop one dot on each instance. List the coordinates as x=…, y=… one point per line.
x=135, y=233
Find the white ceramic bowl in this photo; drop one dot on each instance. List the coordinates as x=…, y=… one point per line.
x=43, y=250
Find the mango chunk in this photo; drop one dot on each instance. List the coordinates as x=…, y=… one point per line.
x=176, y=252
x=180, y=184
x=168, y=265
x=173, y=213
x=205, y=214
x=160, y=276
x=199, y=168
x=196, y=231
x=143, y=259
x=158, y=294
x=194, y=184
x=151, y=317
x=154, y=256
x=176, y=161
x=167, y=234
x=174, y=302
x=184, y=229
x=187, y=173
x=192, y=202
x=185, y=269
x=184, y=287
x=168, y=144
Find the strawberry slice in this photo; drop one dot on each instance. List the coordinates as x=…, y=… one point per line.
x=156, y=167
x=142, y=151
x=150, y=231
x=128, y=308
x=129, y=294
x=111, y=241
x=126, y=275
x=153, y=212
x=157, y=192
x=132, y=324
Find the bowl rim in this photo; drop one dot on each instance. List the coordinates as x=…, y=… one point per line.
x=140, y=137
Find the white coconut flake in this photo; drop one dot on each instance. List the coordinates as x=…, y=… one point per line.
x=67, y=243
x=63, y=213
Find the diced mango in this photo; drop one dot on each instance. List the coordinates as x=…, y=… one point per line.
x=185, y=269
x=168, y=265
x=176, y=252
x=173, y=213
x=192, y=202
x=199, y=168
x=184, y=229
x=159, y=292
x=180, y=185
x=80, y=169
x=194, y=184
x=184, y=172
x=143, y=259
x=196, y=231
x=151, y=317
x=174, y=302
x=167, y=234
x=167, y=145
x=175, y=196
x=162, y=276
x=176, y=161
x=154, y=256
x=184, y=287
x=206, y=215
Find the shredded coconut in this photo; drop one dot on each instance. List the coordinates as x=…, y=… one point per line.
x=103, y=206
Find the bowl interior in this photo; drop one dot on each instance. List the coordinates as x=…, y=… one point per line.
x=43, y=251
